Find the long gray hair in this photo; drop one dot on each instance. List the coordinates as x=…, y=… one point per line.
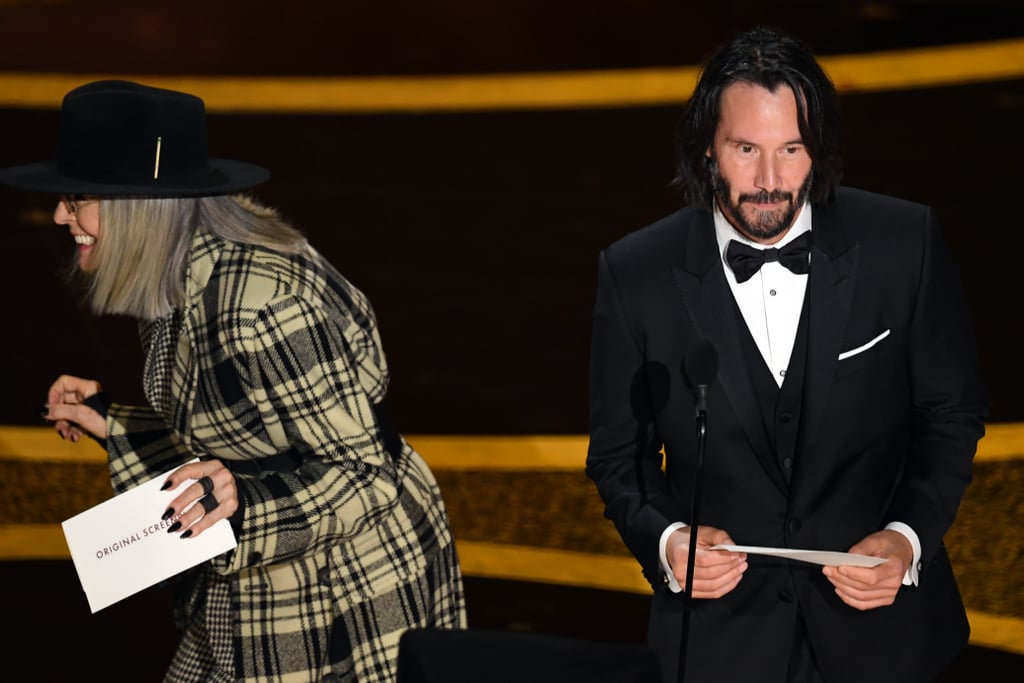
x=139, y=262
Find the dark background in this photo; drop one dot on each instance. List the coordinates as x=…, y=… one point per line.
x=475, y=235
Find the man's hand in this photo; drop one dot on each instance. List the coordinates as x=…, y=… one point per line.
x=866, y=588
x=715, y=572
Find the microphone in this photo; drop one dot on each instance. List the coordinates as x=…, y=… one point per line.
x=700, y=367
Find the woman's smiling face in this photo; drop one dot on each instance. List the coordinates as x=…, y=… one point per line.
x=82, y=215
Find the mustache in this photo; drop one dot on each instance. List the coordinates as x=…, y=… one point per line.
x=765, y=197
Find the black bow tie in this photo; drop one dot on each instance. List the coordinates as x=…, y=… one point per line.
x=745, y=261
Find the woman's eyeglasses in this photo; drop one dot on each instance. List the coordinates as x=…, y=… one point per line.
x=71, y=201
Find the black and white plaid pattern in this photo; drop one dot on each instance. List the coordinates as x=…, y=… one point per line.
x=157, y=336
x=335, y=560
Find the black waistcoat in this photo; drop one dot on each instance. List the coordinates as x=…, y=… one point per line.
x=780, y=406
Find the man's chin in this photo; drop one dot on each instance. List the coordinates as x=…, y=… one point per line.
x=765, y=224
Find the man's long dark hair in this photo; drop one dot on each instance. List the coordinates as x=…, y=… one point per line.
x=768, y=59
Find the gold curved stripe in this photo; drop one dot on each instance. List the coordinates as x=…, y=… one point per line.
x=42, y=444
x=549, y=565
x=33, y=542
x=516, y=563
x=1003, y=441
x=878, y=71
x=996, y=631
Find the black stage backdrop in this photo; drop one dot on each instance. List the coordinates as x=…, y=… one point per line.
x=476, y=238
x=475, y=235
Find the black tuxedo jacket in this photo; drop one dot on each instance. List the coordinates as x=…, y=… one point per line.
x=892, y=409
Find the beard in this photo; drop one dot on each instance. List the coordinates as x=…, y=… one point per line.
x=762, y=225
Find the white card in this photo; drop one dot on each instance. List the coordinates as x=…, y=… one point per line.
x=121, y=546
x=823, y=557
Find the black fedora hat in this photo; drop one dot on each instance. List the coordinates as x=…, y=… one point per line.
x=119, y=138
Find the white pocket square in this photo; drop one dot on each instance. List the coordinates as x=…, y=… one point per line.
x=864, y=347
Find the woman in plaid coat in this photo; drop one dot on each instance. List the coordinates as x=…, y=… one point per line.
x=266, y=364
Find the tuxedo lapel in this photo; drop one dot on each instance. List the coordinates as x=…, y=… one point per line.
x=711, y=309
x=834, y=262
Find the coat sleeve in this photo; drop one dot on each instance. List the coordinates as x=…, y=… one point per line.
x=949, y=405
x=141, y=446
x=624, y=456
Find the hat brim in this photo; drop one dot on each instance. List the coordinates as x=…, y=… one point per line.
x=225, y=176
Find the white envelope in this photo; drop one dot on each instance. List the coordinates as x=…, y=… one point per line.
x=823, y=557
x=121, y=546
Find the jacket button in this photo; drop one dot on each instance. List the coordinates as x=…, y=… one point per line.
x=785, y=418
x=255, y=557
x=323, y=575
x=785, y=596
x=787, y=463
x=794, y=526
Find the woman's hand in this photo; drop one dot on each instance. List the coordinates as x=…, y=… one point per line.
x=213, y=496
x=66, y=410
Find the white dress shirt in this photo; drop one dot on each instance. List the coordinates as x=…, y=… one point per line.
x=770, y=302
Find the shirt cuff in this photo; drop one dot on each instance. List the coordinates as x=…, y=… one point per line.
x=910, y=578
x=666, y=571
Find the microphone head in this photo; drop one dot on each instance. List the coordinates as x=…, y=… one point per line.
x=700, y=364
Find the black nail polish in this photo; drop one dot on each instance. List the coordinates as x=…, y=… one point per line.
x=187, y=534
x=167, y=485
x=44, y=411
x=168, y=513
x=174, y=527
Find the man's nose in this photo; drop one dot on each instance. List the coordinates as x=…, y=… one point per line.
x=767, y=174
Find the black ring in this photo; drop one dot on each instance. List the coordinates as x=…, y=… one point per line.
x=207, y=485
x=208, y=502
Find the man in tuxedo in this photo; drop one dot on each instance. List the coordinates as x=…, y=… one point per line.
x=844, y=413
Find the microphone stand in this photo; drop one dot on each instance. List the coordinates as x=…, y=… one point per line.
x=702, y=419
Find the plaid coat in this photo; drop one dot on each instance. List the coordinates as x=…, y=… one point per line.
x=280, y=354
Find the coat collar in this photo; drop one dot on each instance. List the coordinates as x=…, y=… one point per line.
x=709, y=304
x=203, y=255
x=835, y=258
